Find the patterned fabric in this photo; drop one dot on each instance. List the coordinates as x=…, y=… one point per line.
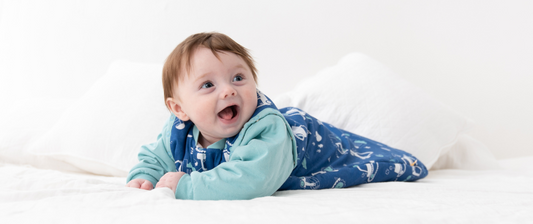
x=328, y=157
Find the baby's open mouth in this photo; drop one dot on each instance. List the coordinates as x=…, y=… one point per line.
x=228, y=113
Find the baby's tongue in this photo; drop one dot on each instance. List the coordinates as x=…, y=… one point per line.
x=226, y=113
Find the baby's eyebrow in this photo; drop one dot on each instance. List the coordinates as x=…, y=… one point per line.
x=240, y=66
x=202, y=76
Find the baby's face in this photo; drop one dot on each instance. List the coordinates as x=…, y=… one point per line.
x=219, y=96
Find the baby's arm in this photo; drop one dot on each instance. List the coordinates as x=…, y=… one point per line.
x=155, y=159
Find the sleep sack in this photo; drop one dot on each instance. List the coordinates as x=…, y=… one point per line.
x=283, y=149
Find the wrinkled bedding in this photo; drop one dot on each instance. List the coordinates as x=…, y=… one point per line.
x=29, y=195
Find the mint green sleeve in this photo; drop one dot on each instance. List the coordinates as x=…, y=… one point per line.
x=261, y=160
x=156, y=158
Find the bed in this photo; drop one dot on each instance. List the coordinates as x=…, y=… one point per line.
x=445, y=196
x=66, y=149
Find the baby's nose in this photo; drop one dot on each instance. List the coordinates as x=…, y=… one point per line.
x=228, y=92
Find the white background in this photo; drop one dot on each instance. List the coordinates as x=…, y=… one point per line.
x=475, y=56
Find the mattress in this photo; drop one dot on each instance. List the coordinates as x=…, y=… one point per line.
x=29, y=195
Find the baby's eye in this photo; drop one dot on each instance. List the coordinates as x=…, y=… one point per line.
x=238, y=78
x=207, y=85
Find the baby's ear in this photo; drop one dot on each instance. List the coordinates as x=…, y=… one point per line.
x=176, y=109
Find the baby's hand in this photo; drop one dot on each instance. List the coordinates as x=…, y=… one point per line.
x=141, y=184
x=170, y=180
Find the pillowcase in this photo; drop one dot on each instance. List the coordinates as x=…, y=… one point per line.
x=102, y=132
x=362, y=96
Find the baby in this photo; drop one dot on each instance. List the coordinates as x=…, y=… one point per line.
x=227, y=140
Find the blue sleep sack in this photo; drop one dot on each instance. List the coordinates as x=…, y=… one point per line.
x=327, y=157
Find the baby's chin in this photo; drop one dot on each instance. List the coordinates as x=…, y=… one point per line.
x=222, y=134
x=232, y=133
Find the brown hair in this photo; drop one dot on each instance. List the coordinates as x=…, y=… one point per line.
x=182, y=54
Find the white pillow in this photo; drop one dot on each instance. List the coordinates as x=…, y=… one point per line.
x=467, y=154
x=363, y=96
x=25, y=122
x=102, y=132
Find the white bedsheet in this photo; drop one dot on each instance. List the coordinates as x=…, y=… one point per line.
x=30, y=195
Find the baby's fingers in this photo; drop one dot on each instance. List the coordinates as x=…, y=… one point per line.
x=133, y=184
x=147, y=185
x=161, y=183
x=140, y=184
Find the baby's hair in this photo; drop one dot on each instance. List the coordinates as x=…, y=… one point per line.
x=182, y=54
